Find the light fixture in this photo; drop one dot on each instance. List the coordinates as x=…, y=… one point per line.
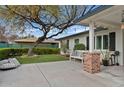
x=95, y=26
x=122, y=21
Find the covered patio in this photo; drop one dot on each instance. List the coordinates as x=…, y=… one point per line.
x=61, y=74
x=109, y=17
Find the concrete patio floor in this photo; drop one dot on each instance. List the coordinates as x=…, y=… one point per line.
x=60, y=74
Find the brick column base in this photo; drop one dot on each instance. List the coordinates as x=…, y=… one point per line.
x=92, y=62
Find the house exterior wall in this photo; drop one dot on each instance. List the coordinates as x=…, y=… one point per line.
x=82, y=39
x=118, y=46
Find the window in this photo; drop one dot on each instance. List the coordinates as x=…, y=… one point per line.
x=94, y=42
x=112, y=43
x=87, y=43
x=67, y=44
x=98, y=42
x=105, y=41
x=76, y=41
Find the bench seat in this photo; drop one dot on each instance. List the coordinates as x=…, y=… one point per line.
x=77, y=55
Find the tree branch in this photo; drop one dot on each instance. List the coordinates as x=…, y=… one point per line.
x=33, y=25
x=91, y=8
x=65, y=27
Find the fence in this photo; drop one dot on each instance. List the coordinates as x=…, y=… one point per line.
x=6, y=45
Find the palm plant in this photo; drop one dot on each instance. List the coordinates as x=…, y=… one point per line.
x=105, y=57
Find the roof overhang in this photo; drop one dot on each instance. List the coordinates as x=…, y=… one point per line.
x=110, y=16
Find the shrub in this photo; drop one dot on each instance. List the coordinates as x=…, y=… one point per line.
x=12, y=52
x=4, y=53
x=79, y=47
x=41, y=51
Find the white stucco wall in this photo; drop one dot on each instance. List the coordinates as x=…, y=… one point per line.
x=82, y=39
x=119, y=45
x=71, y=43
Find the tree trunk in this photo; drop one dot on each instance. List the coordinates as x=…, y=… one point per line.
x=39, y=40
x=30, y=51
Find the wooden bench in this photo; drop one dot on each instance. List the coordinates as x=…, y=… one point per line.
x=77, y=55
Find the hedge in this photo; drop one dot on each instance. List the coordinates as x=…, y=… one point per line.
x=12, y=52
x=79, y=47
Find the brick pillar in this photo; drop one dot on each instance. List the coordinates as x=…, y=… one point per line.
x=92, y=62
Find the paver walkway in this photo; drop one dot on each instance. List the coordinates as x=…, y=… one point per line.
x=55, y=74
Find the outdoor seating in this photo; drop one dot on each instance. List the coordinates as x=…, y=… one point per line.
x=77, y=55
x=9, y=64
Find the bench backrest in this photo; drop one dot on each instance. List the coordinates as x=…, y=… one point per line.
x=78, y=53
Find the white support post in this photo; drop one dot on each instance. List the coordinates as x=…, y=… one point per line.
x=122, y=54
x=91, y=36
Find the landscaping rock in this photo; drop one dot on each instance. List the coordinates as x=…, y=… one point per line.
x=10, y=63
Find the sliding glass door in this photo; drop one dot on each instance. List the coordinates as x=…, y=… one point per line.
x=106, y=41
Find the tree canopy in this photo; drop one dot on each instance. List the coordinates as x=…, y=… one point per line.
x=45, y=18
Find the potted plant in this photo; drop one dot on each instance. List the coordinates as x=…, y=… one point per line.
x=105, y=58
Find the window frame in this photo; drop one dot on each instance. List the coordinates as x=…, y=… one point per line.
x=75, y=41
x=97, y=42
x=101, y=41
x=105, y=43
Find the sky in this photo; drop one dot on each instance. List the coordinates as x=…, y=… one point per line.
x=72, y=30
x=37, y=33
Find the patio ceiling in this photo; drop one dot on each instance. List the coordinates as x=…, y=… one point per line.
x=110, y=17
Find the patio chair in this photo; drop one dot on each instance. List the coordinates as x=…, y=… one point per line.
x=114, y=58
x=10, y=63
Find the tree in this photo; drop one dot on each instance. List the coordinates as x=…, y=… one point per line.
x=50, y=20
x=12, y=37
x=2, y=33
x=7, y=35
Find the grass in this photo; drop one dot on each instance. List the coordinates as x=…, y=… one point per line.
x=41, y=59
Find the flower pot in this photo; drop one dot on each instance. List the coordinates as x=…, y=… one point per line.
x=105, y=62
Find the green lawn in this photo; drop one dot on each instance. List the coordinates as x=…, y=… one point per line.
x=41, y=59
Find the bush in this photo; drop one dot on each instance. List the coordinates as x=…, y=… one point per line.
x=12, y=52
x=4, y=53
x=79, y=47
x=41, y=51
